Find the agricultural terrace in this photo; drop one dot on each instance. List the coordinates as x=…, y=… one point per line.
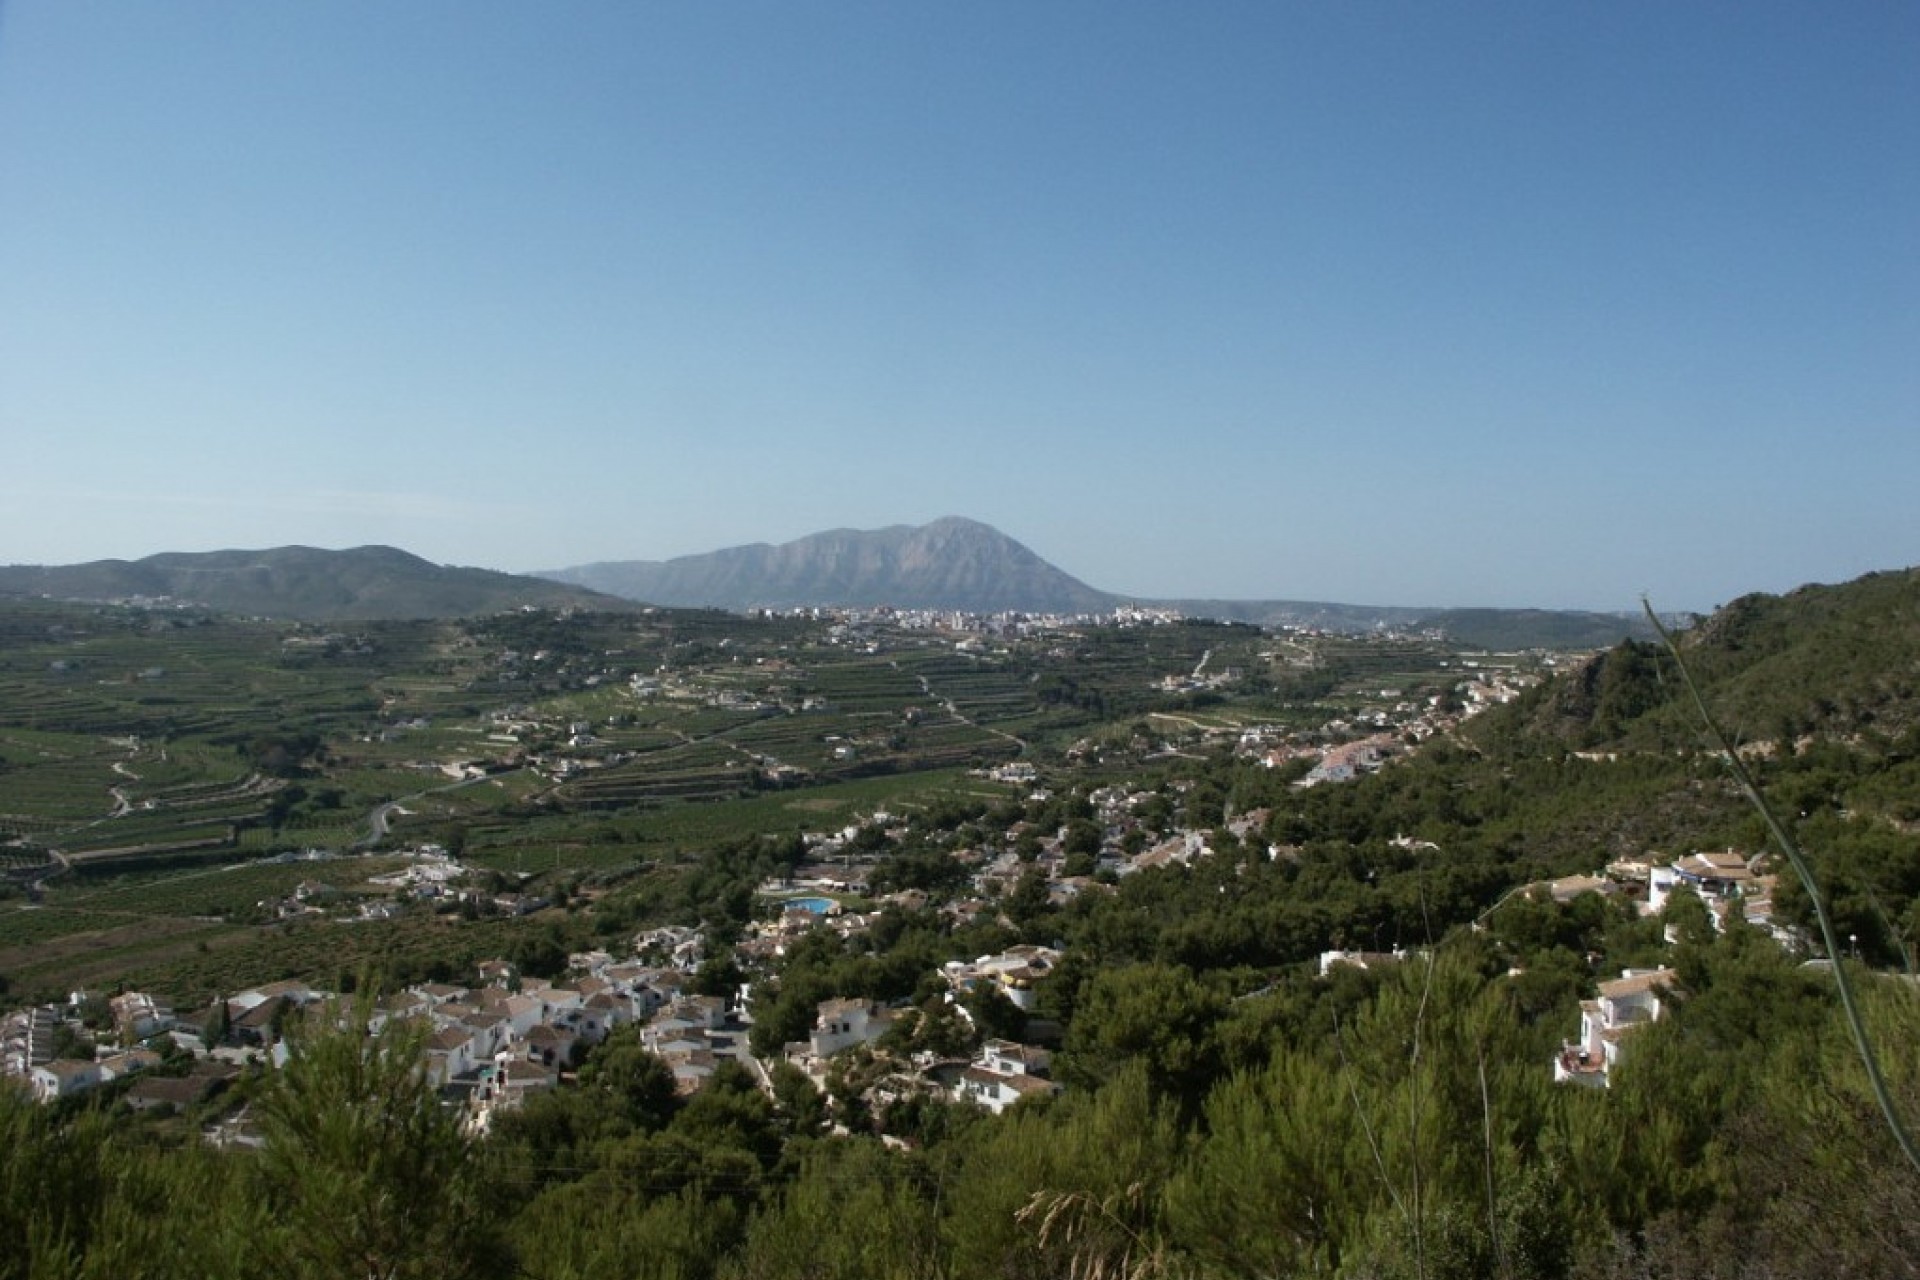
x=153, y=763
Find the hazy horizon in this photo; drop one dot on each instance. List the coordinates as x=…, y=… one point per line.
x=1494, y=305
x=1671, y=609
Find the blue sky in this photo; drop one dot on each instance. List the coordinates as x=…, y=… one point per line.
x=1476, y=304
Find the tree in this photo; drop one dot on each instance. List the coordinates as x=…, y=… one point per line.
x=1159, y=1016
x=1689, y=918
x=853, y=1210
x=720, y=975
x=995, y=1014
x=53, y=1184
x=797, y=1099
x=632, y=1079
x=365, y=1170
x=1267, y=1193
x=1067, y=1191
x=1083, y=836
x=1028, y=905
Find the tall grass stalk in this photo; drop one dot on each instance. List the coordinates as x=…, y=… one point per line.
x=1797, y=859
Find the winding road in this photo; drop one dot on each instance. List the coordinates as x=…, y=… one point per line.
x=380, y=819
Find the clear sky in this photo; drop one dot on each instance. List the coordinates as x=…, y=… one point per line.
x=1423, y=304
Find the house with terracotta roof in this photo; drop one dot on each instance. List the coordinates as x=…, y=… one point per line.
x=1711, y=875
x=181, y=1092
x=1003, y=1073
x=450, y=1053
x=1620, y=1007
x=1016, y=971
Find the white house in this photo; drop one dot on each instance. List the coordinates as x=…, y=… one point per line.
x=1711, y=875
x=1016, y=971
x=692, y=1067
x=1008, y=1058
x=842, y=1024
x=1635, y=998
x=62, y=1078
x=120, y=1065
x=523, y=1013
x=547, y=1045
x=704, y=1013
x=450, y=1053
x=1003, y=1073
x=137, y=1015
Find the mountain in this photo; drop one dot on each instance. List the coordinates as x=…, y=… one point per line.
x=950, y=564
x=304, y=583
x=962, y=564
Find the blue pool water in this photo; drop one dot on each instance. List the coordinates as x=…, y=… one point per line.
x=819, y=906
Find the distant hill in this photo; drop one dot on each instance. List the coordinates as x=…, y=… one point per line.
x=1496, y=629
x=304, y=583
x=949, y=564
x=952, y=563
x=1563, y=629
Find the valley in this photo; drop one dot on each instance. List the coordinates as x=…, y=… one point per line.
x=965, y=898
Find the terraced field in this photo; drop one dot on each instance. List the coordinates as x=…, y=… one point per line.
x=143, y=752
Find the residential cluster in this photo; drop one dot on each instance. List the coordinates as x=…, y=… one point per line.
x=430, y=876
x=995, y=1076
x=1730, y=884
x=853, y=625
x=485, y=1045
x=1346, y=747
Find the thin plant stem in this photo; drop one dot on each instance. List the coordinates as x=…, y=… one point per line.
x=1366, y=1126
x=1493, y=1211
x=1413, y=1101
x=1801, y=868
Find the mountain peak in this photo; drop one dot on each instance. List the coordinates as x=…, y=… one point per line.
x=950, y=563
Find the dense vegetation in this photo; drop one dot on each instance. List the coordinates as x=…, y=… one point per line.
x=1396, y=1126
x=1228, y=1110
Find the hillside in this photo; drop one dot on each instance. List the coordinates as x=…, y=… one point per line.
x=951, y=563
x=668, y=777
x=1819, y=689
x=1837, y=661
x=303, y=583
x=1195, y=1058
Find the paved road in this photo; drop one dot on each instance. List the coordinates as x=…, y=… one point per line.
x=380, y=820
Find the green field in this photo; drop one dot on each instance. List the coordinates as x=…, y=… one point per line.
x=156, y=750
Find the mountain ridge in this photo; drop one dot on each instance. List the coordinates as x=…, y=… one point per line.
x=950, y=563
x=962, y=564
x=303, y=583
